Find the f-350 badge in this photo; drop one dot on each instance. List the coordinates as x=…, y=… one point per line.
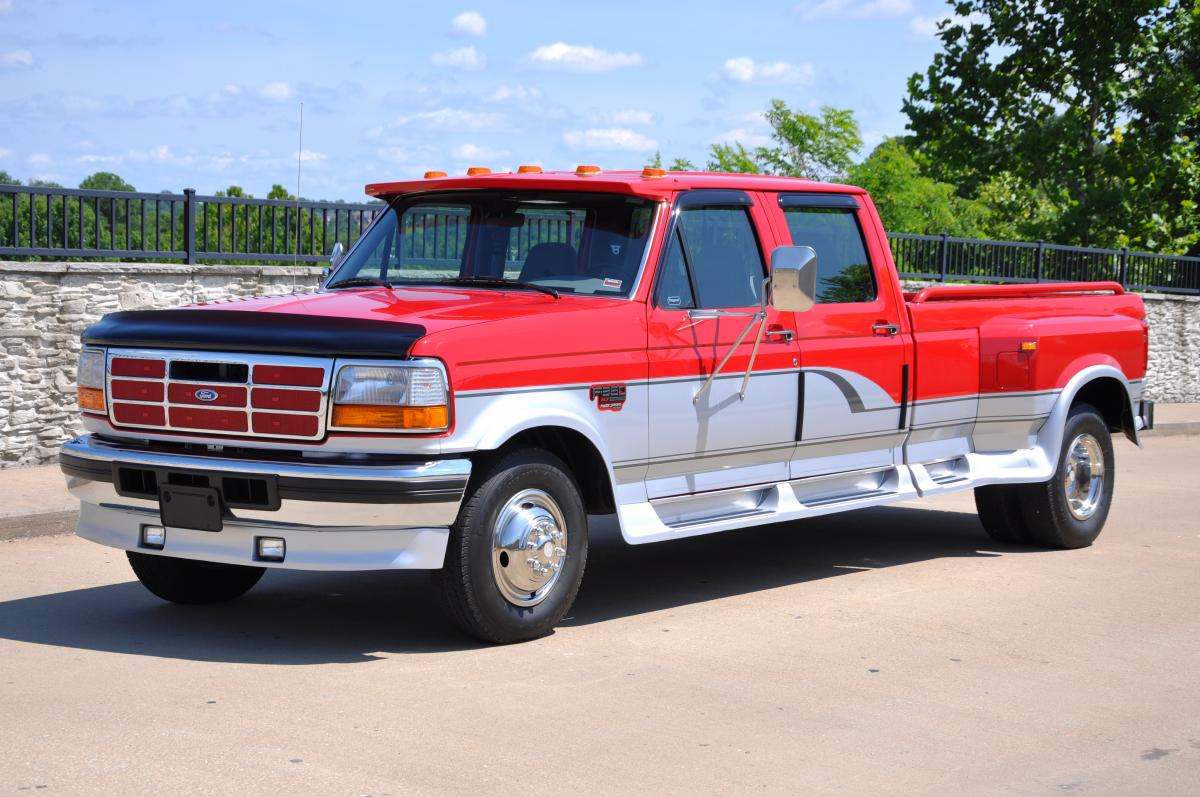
x=608, y=397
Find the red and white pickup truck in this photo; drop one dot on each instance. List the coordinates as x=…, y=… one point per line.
x=500, y=355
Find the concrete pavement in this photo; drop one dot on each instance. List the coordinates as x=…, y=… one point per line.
x=888, y=651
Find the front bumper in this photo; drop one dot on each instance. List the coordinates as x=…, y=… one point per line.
x=333, y=515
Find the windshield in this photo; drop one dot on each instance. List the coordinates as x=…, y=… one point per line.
x=583, y=243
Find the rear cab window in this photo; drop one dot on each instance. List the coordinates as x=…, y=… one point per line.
x=829, y=224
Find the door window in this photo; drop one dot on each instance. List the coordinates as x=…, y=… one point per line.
x=844, y=271
x=713, y=261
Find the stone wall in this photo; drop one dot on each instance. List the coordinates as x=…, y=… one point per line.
x=44, y=307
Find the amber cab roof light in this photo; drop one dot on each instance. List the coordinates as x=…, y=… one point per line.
x=476, y=170
x=583, y=169
x=651, y=171
x=529, y=169
x=434, y=174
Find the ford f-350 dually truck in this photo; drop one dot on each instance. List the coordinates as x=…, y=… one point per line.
x=501, y=355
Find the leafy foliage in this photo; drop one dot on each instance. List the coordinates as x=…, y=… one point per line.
x=1074, y=116
x=819, y=147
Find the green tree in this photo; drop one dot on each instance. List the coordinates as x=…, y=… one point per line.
x=8, y=179
x=682, y=165
x=1061, y=99
x=805, y=145
x=105, y=181
x=911, y=201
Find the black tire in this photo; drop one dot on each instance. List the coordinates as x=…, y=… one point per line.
x=1045, y=506
x=190, y=581
x=999, y=508
x=467, y=585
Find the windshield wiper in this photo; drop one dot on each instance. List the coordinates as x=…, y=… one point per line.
x=498, y=282
x=359, y=282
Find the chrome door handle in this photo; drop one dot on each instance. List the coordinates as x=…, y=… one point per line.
x=786, y=335
x=886, y=329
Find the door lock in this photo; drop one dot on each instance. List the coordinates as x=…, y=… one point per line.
x=779, y=333
x=888, y=330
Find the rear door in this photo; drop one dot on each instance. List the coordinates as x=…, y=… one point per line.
x=855, y=359
x=713, y=258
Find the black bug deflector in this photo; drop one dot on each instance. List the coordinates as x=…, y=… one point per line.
x=247, y=331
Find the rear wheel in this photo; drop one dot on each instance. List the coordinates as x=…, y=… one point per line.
x=1069, y=510
x=190, y=581
x=517, y=552
x=999, y=507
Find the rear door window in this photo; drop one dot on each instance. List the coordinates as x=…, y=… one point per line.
x=844, y=273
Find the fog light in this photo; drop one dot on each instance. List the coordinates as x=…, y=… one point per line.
x=154, y=537
x=271, y=549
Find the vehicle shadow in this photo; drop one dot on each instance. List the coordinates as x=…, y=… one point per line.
x=316, y=618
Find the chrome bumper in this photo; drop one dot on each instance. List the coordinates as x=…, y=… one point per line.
x=334, y=515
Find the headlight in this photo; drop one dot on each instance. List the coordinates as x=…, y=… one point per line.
x=397, y=397
x=89, y=380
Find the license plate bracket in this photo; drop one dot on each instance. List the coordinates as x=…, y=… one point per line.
x=196, y=508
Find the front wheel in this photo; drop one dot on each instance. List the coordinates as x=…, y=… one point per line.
x=516, y=554
x=190, y=581
x=1069, y=510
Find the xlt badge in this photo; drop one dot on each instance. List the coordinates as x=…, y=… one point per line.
x=608, y=397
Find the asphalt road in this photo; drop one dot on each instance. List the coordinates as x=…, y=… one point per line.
x=890, y=651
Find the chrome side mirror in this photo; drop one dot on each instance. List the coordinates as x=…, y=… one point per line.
x=793, y=278
x=335, y=256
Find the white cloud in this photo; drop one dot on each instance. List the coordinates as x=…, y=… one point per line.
x=16, y=59
x=470, y=23
x=575, y=58
x=277, y=91
x=219, y=163
x=611, y=139
x=928, y=26
x=310, y=156
x=230, y=88
x=160, y=154
x=39, y=160
x=6, y=6
x=99, y=160
x=5, y=153
x=817, y=9
x=519, y=92
x=463, y=58
x=745, y=70
x=474, y=152
x=630, y=117
x=744, y=136
x=407, y=156
x=445, y=119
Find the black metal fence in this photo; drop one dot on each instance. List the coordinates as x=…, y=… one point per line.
x=943, y=258
x=64, y=223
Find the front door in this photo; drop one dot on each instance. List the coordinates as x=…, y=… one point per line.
x=712, y=438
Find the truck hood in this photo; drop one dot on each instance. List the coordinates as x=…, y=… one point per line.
x=373, y=322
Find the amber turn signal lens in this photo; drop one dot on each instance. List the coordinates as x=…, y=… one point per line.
x=529, y=170
x=366, y=416
x=587, y=169
x=474, y=170
x=650, y=171
x=90, y=398
x=432, y=175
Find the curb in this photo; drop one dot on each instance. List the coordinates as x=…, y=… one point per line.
x=1182, y=428
x=44, y=524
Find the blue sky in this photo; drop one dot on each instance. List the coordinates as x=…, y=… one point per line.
x=204, y=95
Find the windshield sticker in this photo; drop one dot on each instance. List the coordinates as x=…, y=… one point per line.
x=615, y=284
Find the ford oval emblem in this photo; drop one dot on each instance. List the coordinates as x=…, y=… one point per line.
x=205, y=394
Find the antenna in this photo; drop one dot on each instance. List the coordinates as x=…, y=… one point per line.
x=299, y=159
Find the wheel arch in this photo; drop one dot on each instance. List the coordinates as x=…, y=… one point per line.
x=1102, y=383
x=578, y=452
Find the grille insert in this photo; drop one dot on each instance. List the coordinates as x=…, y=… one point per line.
x=220, y=394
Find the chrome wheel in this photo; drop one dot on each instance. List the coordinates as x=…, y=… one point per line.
x=1083, y=476
x=529, y=547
